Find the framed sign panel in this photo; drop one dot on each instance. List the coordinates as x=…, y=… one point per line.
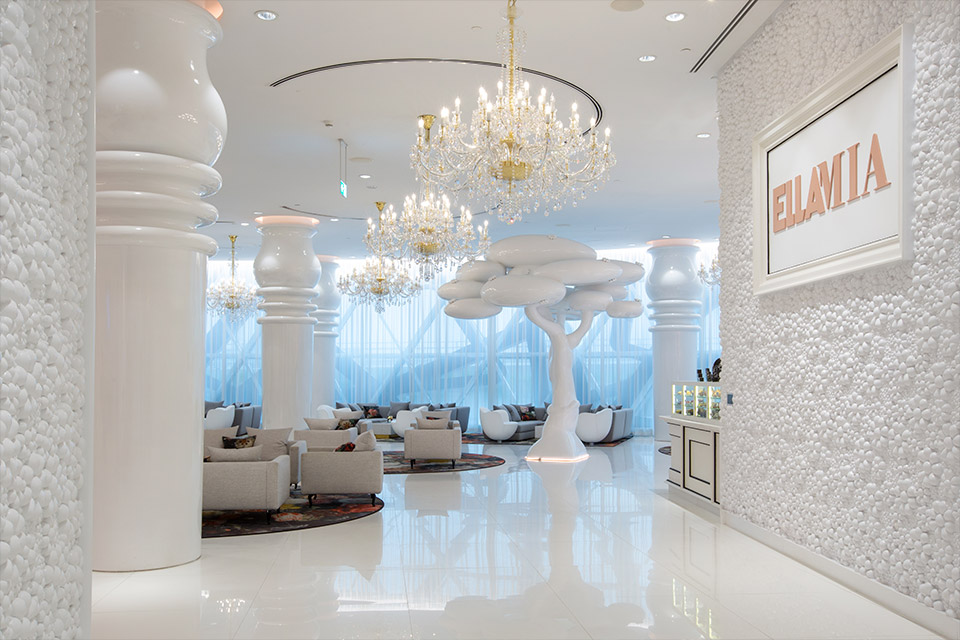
x=832, y=178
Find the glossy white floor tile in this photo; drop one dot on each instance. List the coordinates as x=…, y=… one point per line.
x=503, y=553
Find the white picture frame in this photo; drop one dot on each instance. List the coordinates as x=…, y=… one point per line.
x=839, y=242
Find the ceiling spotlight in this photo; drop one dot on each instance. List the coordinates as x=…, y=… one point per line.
x=703, y=135
x=334, y=219
x=244, y=224
x=647, y=58
x=364, y=176
x=675, y=17
x=265, y=14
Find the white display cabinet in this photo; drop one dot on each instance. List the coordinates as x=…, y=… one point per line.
x=695, y=442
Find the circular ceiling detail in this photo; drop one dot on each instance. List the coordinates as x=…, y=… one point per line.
x=480, y=63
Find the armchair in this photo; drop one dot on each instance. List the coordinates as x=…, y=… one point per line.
x=594, y=427
x=496, y=425
x=406, y=420
x=219, y=418
x=432, y=444
x=342, y=472
x=317, y=438
x=246, y=485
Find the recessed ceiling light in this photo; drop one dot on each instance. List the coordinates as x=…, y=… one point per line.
x=476, y=27
x=675, y=17
x=361, y=159
x=334, y=219
x=703, y=135
x=364, y=176
x=647, y=58
x=244, y=224
x=265, y=14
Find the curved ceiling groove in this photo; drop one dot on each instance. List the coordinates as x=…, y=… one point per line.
x=481, y=63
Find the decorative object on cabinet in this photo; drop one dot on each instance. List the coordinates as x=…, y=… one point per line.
x=697, y=399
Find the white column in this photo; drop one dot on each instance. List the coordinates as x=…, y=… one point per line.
x=674, y=291
x=160, y=125
x=287, y=271
x=325, y=333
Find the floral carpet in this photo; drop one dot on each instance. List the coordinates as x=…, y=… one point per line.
x=295, y=513
x=393, y=462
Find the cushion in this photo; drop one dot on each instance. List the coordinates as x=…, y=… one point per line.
x=322, y=424
x=417, y=406
x=340, y=405
x=526, y=413
x=432, y=423
x=345, y=414
x=371, y=411
x=246, y=454
x=273, y=441
x=438, y=415
x=586, y=408
x=354, y=406
x=366, y=441
x=213, y=438
x=540, y=413
x=347, y=446
x=448, y=405
x=398, y=406
x=500, y=407
x=242, y=442
x=347, y=423
x=512, y=412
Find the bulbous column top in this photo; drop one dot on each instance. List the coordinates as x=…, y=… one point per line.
x=674, y=272
x=328, y=295
x=287, y=269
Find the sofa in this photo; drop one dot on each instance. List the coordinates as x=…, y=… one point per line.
x=245, y=416
x=276, y=444
x=616, y=424
x=526, y=429
x=460, y=414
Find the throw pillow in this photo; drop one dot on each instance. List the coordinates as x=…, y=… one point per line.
x=371, y=411
x=243, y=442
x=526, y=413
x=213, y=438
x=346, y=414
x=366, y=441
x=347, y=423
x=540, y=413
x=274, y=441
x=396, y=407
x=346, y=446
x=322, y=424
x=439, y=415
x=354, y=406
x=247, y=454
x=500, y=407
x=618, y=407
x=448, y=405
x=432, y=423
x=585, y=408
x=512, y=412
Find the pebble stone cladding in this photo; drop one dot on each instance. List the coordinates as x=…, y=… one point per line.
x=44, y=266
x=844, y=433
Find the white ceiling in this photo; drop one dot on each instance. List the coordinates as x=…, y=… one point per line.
x=279, y=153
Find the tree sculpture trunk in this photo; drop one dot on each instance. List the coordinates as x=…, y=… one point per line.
x=559, y=440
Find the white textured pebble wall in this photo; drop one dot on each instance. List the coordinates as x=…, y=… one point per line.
x=845, y=432
x=44, y=268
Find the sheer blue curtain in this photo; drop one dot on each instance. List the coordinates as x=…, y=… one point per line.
x=416, y=353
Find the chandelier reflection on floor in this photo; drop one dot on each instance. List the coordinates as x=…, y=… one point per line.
x=231, y=298
x=381, y=280
x=516, y=156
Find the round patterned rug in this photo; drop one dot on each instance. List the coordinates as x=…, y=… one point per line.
x=296, y=513
x=393, y=462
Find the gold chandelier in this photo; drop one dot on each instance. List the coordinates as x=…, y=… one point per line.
x=516, y=156
x=426, y=234
x=231, y=298
x=381, y=280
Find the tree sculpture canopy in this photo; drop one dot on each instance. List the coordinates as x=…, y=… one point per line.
x=556, y=280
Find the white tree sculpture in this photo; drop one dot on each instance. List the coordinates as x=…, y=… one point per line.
x=555, y=280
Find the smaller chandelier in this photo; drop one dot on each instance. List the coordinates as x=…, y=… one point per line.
x=711, y=276
x=381, y=280
x=426, y=233
x=231, y=298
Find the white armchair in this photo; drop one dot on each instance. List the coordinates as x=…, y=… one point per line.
x=594, y=427
x=407, y=419
x=432, y=444
x=246, y=485
x=324, y=411
x=496, y=424
x=219, y=418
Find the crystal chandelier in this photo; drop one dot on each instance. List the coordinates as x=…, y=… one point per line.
x=711, y=276
x=426, y=234
x=381, y=280
x=231, y=298
x=516, y=155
